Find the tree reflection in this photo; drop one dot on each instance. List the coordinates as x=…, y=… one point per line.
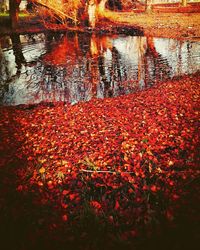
x=158, y=69
x=4, y=74
x=78, y=67
x=108, y=60
x=63, y=70
x=4, y=68
x=73, y=67
x=8, y=73
x=17, y=50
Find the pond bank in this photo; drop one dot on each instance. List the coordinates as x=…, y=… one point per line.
x=169, y=25
x=177, y=25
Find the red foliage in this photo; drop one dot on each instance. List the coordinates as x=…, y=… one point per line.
x=125, y=156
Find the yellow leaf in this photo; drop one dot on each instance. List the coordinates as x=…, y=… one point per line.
x=42, y=170
x=126, y=158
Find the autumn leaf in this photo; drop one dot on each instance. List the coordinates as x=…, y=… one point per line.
x=117, y=206
x=42, y=170
x=65, y=217
x=95, y=204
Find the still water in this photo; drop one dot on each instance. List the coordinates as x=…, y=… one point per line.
x=75, y=67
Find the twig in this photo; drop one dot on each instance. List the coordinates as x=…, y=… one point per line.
x=51, y=7
x=105, y=171
x=126, y=172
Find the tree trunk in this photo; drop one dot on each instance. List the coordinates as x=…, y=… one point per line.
x=149, y=5
x=92, y=7
x=101, y=6
x=13, y=12
x=184, y=2
x=95, y=8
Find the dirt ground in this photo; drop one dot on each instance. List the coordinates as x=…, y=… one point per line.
x=174, y=25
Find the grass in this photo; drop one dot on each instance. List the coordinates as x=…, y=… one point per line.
x=21, y=14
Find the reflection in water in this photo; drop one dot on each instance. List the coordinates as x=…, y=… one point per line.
x=17, y=51
x=76, y=67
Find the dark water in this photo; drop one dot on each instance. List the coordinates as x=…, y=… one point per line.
x=76, y=67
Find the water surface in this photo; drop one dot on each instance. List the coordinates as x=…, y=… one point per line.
x=75, y=67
